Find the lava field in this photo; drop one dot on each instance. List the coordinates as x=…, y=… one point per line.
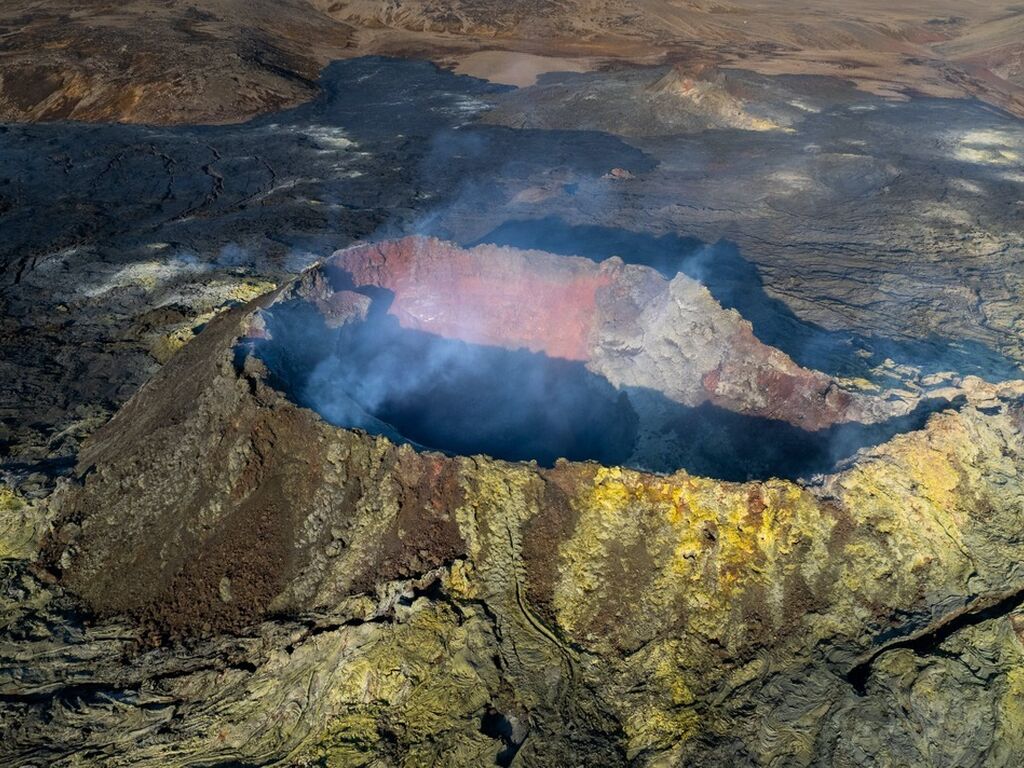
x=551, y=384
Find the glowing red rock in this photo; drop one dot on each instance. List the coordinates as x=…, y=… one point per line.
x=485, y=295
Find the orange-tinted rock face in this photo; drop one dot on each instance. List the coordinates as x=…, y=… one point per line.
x=627, y=323
x=484, y=296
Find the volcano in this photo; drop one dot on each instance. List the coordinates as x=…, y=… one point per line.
x=406, y=384
x=492, y=351
x=315, y=474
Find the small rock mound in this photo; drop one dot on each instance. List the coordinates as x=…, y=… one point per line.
x=710, y=93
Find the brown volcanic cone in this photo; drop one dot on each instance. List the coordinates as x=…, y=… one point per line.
x=197, y=491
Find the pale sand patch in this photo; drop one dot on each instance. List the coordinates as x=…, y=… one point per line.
x=519, y=69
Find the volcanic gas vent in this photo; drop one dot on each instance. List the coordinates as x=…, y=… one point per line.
x=525, y=355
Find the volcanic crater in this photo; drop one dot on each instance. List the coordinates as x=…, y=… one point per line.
x=704, y=446
x=223, y=495
x=530, y=356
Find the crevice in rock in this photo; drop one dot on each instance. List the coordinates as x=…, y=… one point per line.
x=927, y=641
x=496, y=725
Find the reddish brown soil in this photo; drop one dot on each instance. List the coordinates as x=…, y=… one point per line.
x=803, y=397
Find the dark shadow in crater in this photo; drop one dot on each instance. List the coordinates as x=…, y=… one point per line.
x=446, y=394
x=715, y=442
x=517, y=405
x=497, y=726
x=737, y=284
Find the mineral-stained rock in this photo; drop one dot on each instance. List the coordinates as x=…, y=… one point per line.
x=400, y=607
x=626, y=322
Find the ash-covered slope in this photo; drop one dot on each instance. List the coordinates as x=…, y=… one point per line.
x=419, y=609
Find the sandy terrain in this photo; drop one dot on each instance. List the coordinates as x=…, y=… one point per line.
x=519, y=69
x=171, y=62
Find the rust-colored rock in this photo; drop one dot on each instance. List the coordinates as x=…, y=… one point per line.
x=626, y=322
x=486, y=295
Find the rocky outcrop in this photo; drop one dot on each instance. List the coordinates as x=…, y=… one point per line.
x=579, y=609
x=710, y=94
x=625, y=322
